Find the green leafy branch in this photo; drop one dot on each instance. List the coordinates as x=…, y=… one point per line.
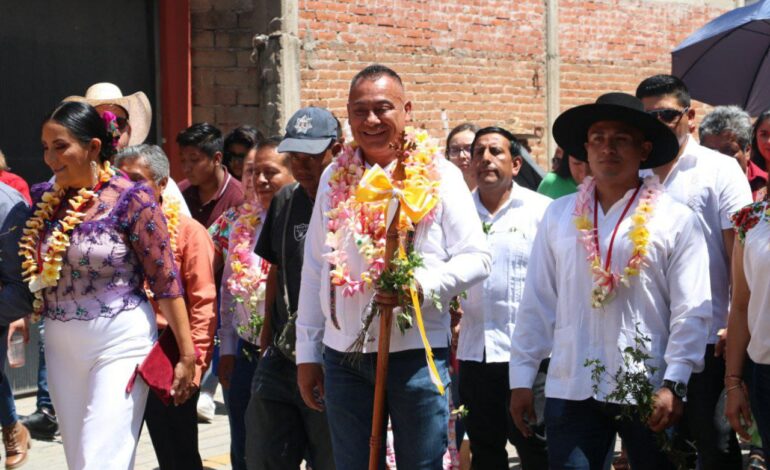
x=633, y=389
x=399, y=279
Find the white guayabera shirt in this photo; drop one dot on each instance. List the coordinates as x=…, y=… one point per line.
x=455, y=256
x=489, y=312
x=669, y=301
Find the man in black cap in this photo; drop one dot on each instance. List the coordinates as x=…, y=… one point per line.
x=622, y=271
x=281, y=429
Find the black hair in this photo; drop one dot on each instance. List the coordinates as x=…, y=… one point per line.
x=273, y=142
x=84, y=123
x=515, y=147
x=247, y=136
x=203, y=136
x=757, y=157
x=374, y=72
x=659, y=85
x=466, y=126
x=563, y=170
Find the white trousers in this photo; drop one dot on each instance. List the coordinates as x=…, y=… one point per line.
x=89, y=365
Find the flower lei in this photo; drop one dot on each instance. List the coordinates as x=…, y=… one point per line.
x=365, y=223
x=604, y=280
x=170, y=209
x=44, y=270
x=247, y=282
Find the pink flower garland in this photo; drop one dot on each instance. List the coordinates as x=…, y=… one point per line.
x=364, y=223
x=604, y=280
x=246, y=280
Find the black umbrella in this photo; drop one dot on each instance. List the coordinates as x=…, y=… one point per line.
x=728, y=60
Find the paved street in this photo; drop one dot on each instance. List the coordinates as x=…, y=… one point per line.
x=214, y=444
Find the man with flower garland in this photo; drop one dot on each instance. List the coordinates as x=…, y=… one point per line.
x=343, y=261
x=174, y=429
x=622, y=271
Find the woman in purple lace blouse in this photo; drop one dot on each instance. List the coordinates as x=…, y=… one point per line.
x=99, y=323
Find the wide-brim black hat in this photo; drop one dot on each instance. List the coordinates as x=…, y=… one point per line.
x=570, y=130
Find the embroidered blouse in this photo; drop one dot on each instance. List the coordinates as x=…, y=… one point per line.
x=752, y=224
x=122, y=242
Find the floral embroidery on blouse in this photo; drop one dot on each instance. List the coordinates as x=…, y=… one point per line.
x=122, y=242
x=220, y=230
x=748, y=217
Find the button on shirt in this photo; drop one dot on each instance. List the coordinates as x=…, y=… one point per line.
x=489, y=312
x=669, y=301
x=454, y=252
x=712, y=185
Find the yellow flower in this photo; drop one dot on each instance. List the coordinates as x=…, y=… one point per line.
x=50, y=273
x=583, y=223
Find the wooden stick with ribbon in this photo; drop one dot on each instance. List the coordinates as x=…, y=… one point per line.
x=414, y=199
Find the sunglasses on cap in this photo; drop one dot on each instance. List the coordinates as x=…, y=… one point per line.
x=668, y=115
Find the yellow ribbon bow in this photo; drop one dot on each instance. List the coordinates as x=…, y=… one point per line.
x=415, y=197
x=416, y=202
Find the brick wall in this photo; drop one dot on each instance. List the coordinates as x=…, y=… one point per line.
x=484, y=61
x=477, y=60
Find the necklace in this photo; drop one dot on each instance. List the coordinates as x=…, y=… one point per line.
x=170, y=209
x=364, y=222
x=605, y=281
x=248, y=279
x=41, y=270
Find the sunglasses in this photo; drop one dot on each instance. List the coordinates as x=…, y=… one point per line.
x=122, y=123
x=235, y=156
x=668, y=115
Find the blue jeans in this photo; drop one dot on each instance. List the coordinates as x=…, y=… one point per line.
x=759, y=391
x=581, y=433
x=418, y=413
x=237, y=399
x=7, y=404
x=43, y=397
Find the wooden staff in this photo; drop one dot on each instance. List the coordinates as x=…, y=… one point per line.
x=383, y=346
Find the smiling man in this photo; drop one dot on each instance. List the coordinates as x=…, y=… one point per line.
x=454, y=254
x=510, y=215
x=618, y=262
x=714, y=187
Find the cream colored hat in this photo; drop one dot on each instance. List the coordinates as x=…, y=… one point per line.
x=137, y=106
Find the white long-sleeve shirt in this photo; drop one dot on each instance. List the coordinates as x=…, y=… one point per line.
x=455, y=256
x=669, y=301
x=489, y=312
x=714, y=187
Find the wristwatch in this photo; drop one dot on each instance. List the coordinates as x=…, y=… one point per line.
x=679, y=389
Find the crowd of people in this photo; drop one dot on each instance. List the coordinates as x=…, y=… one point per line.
x=553, y=315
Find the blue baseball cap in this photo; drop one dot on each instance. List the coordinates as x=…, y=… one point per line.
x=310, y=130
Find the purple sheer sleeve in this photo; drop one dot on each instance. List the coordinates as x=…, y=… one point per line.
x=149, y=238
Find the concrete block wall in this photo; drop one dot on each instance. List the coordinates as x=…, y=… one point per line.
x=224, y=80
